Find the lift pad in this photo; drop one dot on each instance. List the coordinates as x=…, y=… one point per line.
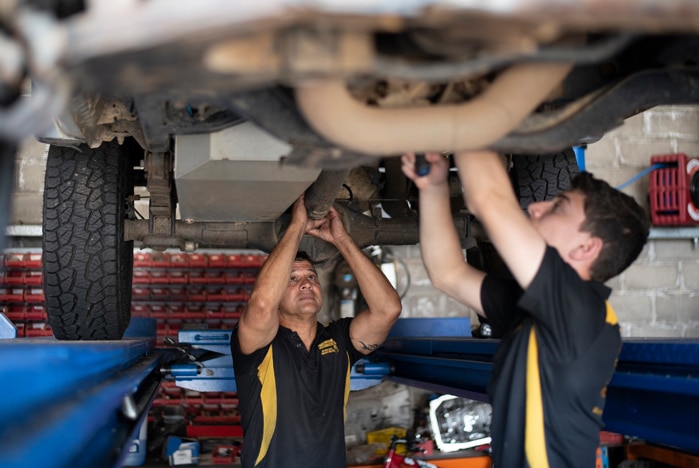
x=653, y=395
x=73, y=404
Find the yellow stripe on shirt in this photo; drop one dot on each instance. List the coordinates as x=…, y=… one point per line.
x=534, y=435
x=268, y=396
x=347, y=389
x=611, y=316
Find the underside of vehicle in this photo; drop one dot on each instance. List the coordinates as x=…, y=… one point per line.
x=227, y=112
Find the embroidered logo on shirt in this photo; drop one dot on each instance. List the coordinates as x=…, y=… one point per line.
x=327, y=347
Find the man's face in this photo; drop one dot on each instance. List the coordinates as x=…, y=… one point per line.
x=558, y=221
x=303, y=293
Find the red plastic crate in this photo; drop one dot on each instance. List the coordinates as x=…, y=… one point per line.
x=158, y=311
x=32, y=260
x=610, y=438
x=13, y=278
x=198, y=261
x=33, y=278
x=160, y=260
x=179, y=260
x=140, y=277
x=15, y=313
x=235, y=261
x=140, y=310
x=215, y=277
x=217, y=295
x=11, y=294
x=236, y=277
x=34, y=295
x=255, y=261
x=38, y=329
x=669, y=190
x=214, y=432
x=197, y=277
x=179, y=277
x=140, y=293
x=36, y=312
x=141, y=259
x=14, y=260
x=217, y=261
x=197, y=295
x=28, y=260
x=178, y=294
x=159, y=293
x=213, y=313
x=224, y=454
x=159, y=277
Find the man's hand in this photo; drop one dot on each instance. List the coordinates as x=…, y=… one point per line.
x=330, y=228
x=299, y=217
x=439, y=169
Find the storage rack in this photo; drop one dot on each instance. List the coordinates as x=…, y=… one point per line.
x=192, y=290
x=22, y=293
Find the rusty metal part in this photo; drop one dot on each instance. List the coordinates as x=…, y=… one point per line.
x=101, y=120
x=322, y=193
x=365, y=230
x=191, y=235
x=158, y=168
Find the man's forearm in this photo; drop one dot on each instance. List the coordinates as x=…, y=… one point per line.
x=439, y=243
x=274, y=274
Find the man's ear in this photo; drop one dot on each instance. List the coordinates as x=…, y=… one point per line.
x=589, y=250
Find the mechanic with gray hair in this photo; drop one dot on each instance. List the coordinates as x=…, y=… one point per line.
x=559, y=335
x=293, y=373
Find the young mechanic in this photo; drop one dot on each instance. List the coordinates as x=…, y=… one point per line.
x=293, y=373
x=559, y=335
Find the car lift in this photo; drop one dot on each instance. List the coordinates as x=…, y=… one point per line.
x=79, y=404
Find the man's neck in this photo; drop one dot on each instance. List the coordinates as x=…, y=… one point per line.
x=305, y=328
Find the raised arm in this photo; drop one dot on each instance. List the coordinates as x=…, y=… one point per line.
x=259, y=322
x=439, y=244
x=371, y=326
x=490, y=197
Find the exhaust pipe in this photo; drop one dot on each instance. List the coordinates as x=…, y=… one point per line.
x=337, y=116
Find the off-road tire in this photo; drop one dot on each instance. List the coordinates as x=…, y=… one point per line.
x=87, y=265
x=540, y=177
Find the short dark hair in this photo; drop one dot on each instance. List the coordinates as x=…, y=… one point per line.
x=617, y=219
x=303, y=256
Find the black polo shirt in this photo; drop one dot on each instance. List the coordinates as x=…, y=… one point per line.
x=292, y=401
x=560, y=342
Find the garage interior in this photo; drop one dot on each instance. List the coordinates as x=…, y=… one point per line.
x=186, y=303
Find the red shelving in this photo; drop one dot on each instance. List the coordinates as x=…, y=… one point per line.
x=179, y=290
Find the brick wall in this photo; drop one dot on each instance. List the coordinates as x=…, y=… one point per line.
x=657, y=297
x=27, y=201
